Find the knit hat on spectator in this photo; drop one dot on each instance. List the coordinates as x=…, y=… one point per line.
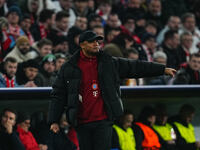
x=15, y=9
x=49, y=58
x=21, y=40
x=30, y=63
x=22, y=116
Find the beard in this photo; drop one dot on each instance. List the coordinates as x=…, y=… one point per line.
x=92, y=53
x=24, y=51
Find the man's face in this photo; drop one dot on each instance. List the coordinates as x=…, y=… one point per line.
x=113, y=21
x=190, y=24
x=130, y=25
x=81, y=5
x=128, y=121
x=11, y=69
x=175, y=41
x=63, y=24
x=13, y=18
x=187, y=41
x=155, y=7
x=151, y=43
x=24, y=48
x=49, y=67
x=194, y=63
x=8, y=118
x=112, y=34
x=99, y=31
x=59, y=63
x=95, y=22
x=31, y=73
x=45, y=50
x=81, y=22
x=90, y=48
x=66, y=4
x=174, y=23
x=134, y=3
x=26, y=24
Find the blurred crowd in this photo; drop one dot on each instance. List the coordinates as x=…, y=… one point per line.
x=151, y=129
x=38, y=36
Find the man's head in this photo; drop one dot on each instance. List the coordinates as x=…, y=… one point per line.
x=187, y=112
x=151, y=28
x=189, y=21
x=24, y=121
x=8, y=117
x=45, y=47
x=65, y=4
x=10, y=66
x=132, y=53
x=113, y=20
x=127, y=119
x=81, y=5
x=112, y=33
x=129, y=23
x=48, y=63
x=149, y=41
x=47, y=16
x=134, y=3
x=94, y=20
x=25, y=23
x=62, y=20
x=13, y=15
x=31, y=68
x=171, y=39
x=155, y=7
x=186, y=40
x=160, y=57
x=81, y=22
x=23, y=44
x=194, y=62
x=174, y=23
x=88, y=41
x=60, y=60
x=99, y=30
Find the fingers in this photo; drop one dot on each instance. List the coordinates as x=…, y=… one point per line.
x=55, y=128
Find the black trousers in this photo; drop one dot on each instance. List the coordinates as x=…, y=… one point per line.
x=95, y=135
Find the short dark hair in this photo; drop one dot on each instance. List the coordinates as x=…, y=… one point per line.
x=45, y=14
x=10, y=59
x=194, y=55
x=10, y=110
x=132, y=50
x=61, y=14
x=43, y=42
x=169, y=34
x=186, y=110
x=187, y=15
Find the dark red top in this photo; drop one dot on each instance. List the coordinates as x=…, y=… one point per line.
x=91, y=105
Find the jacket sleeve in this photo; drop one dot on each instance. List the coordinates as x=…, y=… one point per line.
x=58, y=98
x=139, y=137
x=128, y=68
x=115, y=140
x=15, y=141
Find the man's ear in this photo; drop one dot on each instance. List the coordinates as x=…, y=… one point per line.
x=82, y=45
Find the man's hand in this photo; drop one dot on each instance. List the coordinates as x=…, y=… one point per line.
x=170, y=71
x=55, y=127
x=9, y=127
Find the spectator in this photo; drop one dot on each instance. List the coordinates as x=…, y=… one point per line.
x=81, y=8
x=128, y=25
x=186, y=41
x=94, y=20
x=172, y=24
x=145, y=136
x=123, y=135
x=7, y=78
x=26, y=137
x=43, y=47
x=170, y=48
x=113, y=21
x=22, y=51
x=8, y=136
x=111, y=34
x=185, y=136
x=104, y=9
x=27, y=72
x=60, y=45
x=66, y=5
x=25, y=24
x=47, y=70
x=164, y=129
x=189, y=25
x=5, y=40
x=99, y=30
x=60, y=60
x=41, y=28
x=13, y=16
x=189, y=72
x=81, y=22
x=61, y=27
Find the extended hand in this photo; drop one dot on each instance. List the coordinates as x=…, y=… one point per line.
x=55, y=127
x=170, y=71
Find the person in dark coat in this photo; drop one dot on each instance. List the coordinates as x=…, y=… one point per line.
x=88, y=84
x=9, y=139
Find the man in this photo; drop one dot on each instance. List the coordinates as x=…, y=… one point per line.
x=7, y=78
x=189, y=72
x=22, y=51
x=81, y=22
x=185, y=135
x=89, y=85
x=8, y=137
